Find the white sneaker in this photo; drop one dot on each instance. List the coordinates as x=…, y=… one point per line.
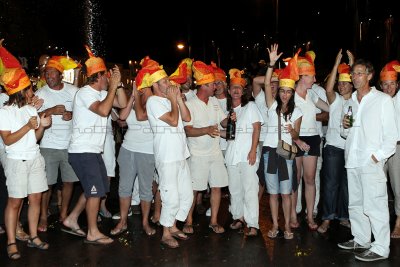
x=208, y=212
x=117, y=216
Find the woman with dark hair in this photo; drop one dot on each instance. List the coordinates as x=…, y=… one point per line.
x=20, y=129
x=241, y=157
x=279, y=171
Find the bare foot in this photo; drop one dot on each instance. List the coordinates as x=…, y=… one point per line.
x=42, y=226
x=149, y=230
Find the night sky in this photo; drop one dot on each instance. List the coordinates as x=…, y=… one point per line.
x=240, y=32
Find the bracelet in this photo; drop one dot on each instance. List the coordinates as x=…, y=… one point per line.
x=270, y=66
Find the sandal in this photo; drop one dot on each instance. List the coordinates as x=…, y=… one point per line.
x=312, y=226
x=188, y=229
x=42, y=245
x=218, y=229
x=323, y=228
x=21, y=235
x=288, y=235
x=273, y=233
x=396, y=232
x=169, y=243
x=13, y=255
x=237, y=224
x=252, y=232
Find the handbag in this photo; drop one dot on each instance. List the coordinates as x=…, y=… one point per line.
x=283, y=149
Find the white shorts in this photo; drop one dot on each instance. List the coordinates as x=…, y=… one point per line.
x=25, y=177
x=208, y=170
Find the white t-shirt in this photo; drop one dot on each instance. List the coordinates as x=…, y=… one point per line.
x=271, y=138
x=138, y=137
x=223, y=103
x=190, y=94
x=13, y=119
x=320, y=91
x=59, y=133
x=203, y=115
x=169, y=142
x=307, y=106
x=239, y=149
x=88, y=128
x=262, y=106
x=336, y=114
x=3, y=98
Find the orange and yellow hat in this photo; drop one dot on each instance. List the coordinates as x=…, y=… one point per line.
x=344, y=73
x=94, y=64
x=219, y=74
x=275, y=75
x=203, y=73
x=390, y=70
x=290, y=74
x=61, y=63
x=182, y=72
x=306, y=64
x=12, y=76
x=236, y=77
x=150, y=73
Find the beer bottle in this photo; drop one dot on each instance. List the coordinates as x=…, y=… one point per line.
x=350, y=116
x=230, y=127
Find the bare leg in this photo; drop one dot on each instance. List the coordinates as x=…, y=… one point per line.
x=66, y=195
x=44, y=207
x=92, y=209
x=145, y=205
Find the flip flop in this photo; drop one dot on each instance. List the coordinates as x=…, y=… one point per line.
x=218, y=229
x=180, y=235
x=288, y=235
x=73, y=231
x=167, y=244
x=252, y=234
x=118, y=231
x=273, y=233
x=236, y=224
x=97, y=241
x=188, y=229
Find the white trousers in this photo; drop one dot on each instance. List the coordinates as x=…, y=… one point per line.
x=368, y=206
x=175, y=185
x=243, y=188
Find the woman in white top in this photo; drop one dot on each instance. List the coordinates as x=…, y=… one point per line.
x=278, y=171
x=241, y=158
x=20, y=129
x=309, y=141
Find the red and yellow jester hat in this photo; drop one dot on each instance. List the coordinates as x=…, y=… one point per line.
x=390, y=70
x=182, y=72
x=344, y=73
x=61, y=63
x=219, y=74
x=150, y=73
x=12, y=76
x=203, y=73
x=306, y=64
x=290, y=74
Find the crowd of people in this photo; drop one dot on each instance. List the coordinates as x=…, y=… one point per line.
x=175, y=147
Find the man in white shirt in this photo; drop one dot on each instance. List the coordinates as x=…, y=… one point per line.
x=165, y=111
x=92, y=104
x=206, y=162
x=58, y=97
x=370, y=142
x=390, y=86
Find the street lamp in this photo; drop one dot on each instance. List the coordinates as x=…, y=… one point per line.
x=180, y=46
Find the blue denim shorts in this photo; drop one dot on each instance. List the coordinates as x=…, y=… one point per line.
x=274, y=186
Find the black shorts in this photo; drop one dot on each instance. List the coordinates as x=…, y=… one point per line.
x=92, y=173
x=314, y=142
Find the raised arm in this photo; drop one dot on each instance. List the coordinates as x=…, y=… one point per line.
x=273, y=57
x=330, y=93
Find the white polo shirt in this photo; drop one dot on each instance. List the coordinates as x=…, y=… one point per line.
x=169, y=142
x=204, y=115
x=239, y=149
x=14, y=118
x=58, y=135
x=88, y=128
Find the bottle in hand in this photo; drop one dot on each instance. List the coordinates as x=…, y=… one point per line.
x=230, y=127
x=349, y=115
